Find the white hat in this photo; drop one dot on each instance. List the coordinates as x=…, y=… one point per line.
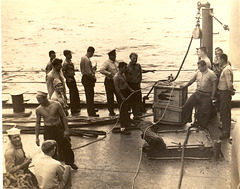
x=55, y=82
x=13, y=131
x=41, y=93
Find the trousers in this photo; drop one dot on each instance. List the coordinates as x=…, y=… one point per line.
x=56, y=133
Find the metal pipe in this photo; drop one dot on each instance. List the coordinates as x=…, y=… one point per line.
x=207, y=32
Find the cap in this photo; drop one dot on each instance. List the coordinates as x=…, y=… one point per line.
x=66, y=52
x=55, y=82
x=112, y=52
x=13, y=131
x=48, y=145
x=41, y=93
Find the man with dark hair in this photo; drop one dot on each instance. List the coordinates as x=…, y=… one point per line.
x=55, y=126
x=88, y=80
x=69, y=72
x=202, y=98
x=225, y=87
x=52, y=55
x=109, y=69
x=202, y=54
x=123, y=91
x=55, y=73
x=51, y=173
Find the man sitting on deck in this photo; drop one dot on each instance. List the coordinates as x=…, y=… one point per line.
x=202, y=98
x=55, y=126
x=51, y=173
x=15, y=158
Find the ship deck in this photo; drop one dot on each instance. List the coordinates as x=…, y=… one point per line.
x=114, y=161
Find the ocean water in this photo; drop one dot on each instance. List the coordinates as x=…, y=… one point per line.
x=159, y=31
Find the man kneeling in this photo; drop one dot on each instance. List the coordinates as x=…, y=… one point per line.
x=49, y=172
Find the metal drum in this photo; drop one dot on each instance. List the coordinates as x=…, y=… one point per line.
x=18, y=103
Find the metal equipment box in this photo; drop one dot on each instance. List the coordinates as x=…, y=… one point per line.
x=168, y=103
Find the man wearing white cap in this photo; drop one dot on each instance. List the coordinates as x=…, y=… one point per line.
x=58, y=95
x=109, y=69
x=55, y=126
x=51, y=173
x=15, y=158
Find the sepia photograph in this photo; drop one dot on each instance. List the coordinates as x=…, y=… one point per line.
x=120, y=94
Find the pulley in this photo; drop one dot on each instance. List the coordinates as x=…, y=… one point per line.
x=196, y=33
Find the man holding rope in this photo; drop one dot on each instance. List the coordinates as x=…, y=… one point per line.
x=123, y=91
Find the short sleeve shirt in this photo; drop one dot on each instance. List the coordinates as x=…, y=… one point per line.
x=205, y=80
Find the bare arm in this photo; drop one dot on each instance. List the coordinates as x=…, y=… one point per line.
x=117, y=87
x=103, y=70
x=190, y=82
x=63, y=119
x=214, y=89
x=49, y=86
x=37, y=127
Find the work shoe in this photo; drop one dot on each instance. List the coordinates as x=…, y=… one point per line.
x=224, y=136
x=125, y=132
x=112, y=114
x=73, y=166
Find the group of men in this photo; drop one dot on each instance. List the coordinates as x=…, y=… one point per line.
x=49, y=173
x=59, y=74
x=214, y=81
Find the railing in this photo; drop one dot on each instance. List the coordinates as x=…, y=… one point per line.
x=24, y=81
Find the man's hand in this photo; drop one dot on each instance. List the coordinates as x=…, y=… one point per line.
x=66, y=133
x=37, y=142
x=26, y=162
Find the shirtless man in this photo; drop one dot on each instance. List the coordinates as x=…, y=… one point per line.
x=123, y=91
x=55, y=126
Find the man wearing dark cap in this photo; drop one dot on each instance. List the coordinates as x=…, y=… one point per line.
x=109, y=69
x=51, y=173
x=55, y=126
x=69, y=72
x=123, y=91
x=55, y=73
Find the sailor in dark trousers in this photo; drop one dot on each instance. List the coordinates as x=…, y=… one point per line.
x=109, y=69
x=123, y=91
x=55, y=126
x=69, y=72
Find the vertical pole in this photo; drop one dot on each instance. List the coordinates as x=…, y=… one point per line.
x=207, y=31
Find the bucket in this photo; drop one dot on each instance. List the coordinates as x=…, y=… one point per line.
x=17, y=102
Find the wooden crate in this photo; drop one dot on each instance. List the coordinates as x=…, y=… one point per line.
x=173, y=99
x=167, y=94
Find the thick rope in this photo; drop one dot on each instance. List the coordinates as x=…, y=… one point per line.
x=144, y=135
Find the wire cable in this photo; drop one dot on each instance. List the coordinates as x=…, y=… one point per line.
x=144, y=135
